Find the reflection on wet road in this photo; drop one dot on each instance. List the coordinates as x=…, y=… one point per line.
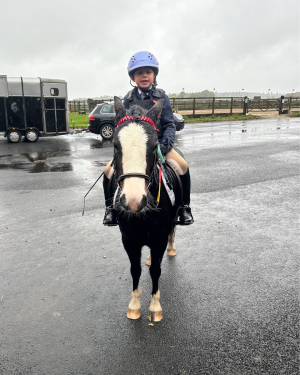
x=69, y=153
x=240, y=133
x=50, y=161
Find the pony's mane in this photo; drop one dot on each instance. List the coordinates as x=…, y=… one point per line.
x=136, y=111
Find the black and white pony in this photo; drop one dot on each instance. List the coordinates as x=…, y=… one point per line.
x=142, y=220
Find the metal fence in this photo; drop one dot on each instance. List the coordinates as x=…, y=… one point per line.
x=205, y=106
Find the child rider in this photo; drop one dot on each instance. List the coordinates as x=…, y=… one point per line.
x=143, y=69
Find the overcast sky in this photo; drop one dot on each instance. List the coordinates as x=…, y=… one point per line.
x=200, y=44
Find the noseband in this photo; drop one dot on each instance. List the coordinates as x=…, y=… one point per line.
x=140, y=175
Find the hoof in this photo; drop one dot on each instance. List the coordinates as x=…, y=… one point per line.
x=155, y=316
x=171, y=252
x=133, y=314
x=148, y=261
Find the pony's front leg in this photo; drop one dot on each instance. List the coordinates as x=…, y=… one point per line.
x=134, y=308
x=157, y=253
x=134, y=254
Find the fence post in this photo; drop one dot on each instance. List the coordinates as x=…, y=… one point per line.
x=194, y=106
x=213, y=106
x=231, y=105
x=281, y=102
x=245, y=109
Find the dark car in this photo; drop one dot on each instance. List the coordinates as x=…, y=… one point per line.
x=179, y=121
x=102, y=120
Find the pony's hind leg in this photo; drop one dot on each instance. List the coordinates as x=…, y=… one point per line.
x=171, y=250
x=134, y=254
x=155, y=310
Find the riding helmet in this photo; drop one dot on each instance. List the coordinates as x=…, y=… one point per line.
x=142, y=59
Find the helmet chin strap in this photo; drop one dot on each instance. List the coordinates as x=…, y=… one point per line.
x=132, y=84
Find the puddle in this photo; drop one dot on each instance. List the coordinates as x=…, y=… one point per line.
x=39, y=167
x=35, y=162
x=99, y=163
x=101, y=144
x=43, y=155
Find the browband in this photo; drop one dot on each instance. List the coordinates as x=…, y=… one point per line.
x=142, y=118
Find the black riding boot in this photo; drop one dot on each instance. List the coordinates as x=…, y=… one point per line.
x=110, y=217
x=185, y=214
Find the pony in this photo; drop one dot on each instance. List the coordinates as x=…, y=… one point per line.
x=145, y=213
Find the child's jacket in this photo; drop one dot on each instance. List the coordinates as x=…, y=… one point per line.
x=166, y=135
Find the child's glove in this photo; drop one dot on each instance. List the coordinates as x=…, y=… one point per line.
x=164, y=146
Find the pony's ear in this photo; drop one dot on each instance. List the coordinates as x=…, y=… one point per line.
x=155, y=111
x=119, y=108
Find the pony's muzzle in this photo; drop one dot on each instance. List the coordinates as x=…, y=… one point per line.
x=133, y=204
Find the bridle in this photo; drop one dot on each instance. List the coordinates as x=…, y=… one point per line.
x=139, y=175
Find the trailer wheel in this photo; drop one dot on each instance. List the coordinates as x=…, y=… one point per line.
x=107, y=131
x=13, y=136
x=31, y=135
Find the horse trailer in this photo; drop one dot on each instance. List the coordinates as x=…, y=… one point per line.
x=32, y=107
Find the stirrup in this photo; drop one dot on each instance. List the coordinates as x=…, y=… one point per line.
x=110, y=217
x=188, y=219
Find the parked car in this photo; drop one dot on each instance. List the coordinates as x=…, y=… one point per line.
x=102, y=120
x=179, y=121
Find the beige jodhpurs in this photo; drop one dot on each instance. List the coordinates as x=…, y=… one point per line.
x=177, y=162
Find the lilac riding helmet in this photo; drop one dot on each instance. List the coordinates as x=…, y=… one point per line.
x=142, y=59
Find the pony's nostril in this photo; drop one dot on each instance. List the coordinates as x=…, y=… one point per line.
x=123, y=201
x=143, y=203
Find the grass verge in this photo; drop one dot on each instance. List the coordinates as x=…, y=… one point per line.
x=295, y=114
x=81, y=121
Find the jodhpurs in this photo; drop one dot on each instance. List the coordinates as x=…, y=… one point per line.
x=177, y=162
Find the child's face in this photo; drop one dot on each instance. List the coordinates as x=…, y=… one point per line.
x=144, y=78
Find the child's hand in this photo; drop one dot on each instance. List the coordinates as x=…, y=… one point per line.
x=163, y=148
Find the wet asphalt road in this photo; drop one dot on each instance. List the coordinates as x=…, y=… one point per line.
x=229, y=298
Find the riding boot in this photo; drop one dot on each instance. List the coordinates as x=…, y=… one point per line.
x=185, y=214
x=110, y=217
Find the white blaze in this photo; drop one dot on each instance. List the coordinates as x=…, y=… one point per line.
x=133, y=140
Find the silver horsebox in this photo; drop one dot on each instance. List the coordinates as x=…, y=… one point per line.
x=32, y=107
